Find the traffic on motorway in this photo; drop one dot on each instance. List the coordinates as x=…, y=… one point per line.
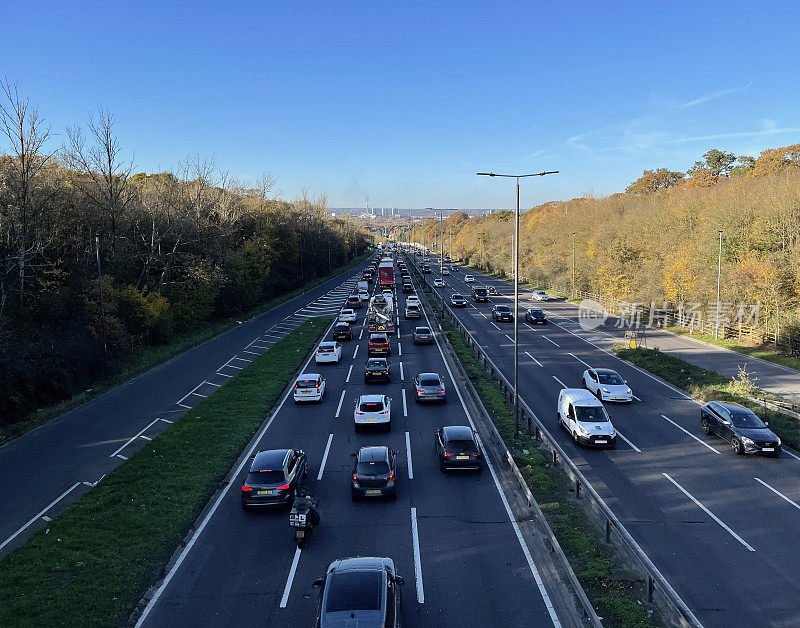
x=706, y=489
x=367, y=499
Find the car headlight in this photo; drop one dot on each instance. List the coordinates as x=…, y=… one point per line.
x=605, y=390
x=582, y=430
x=630, y=392
x=613, y=432
x=777, y=438
x=748, y=441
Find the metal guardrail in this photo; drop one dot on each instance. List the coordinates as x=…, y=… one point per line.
x=659, y=591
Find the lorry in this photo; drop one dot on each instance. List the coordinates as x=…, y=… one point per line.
x=380, y=315
x=386, y=274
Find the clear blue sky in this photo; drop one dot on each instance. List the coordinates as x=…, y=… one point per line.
x=404, y=101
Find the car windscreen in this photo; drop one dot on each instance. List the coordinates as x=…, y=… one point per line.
x=591, y=414
x=612, y=379
x=306, y=383
x=354, y=591
x=266, y=477
x=479, y=290
x=747, y=420
x=429, y=381
x=467, y=446
x=371, y=406
x=536, y=312
x=378, y=467
x=502, y=308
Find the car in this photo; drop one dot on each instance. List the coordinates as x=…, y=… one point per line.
x=373, y=411
x=426, y=269
x=274, y=478
x=454, y=268
x=363, y=295
x=423, y=336
x=457, y=448
x=412, y=299
x=456, y=300
x=342, y=331
x=480, y=295
x=741, y=427
x=540, y=295
x=347, y=315
x=407, y=287
x=354, y=302
x=584, y=417
x=363, y=591
x=502, y=313
x=445, y=270
x=309, y=387
x=429, y=387
x=377, y=370
x=469, y=279
x=439, y=283
x=535, y=316
x=412, y=311
x=328, y=352
x=378, y=344
x=387, y=291
x=607, y=385
x=374, y=473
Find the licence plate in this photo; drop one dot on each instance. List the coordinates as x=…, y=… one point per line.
x=300, y=533
x=265, y=492
x=462, y=457
x=373, y=491
x=601, y=442
x=372, y=420
x=767, y=449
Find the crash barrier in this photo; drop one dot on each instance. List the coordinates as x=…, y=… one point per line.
x=659, y=591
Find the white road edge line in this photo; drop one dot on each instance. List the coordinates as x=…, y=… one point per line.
x=534, y=359
x=563, y=385
x=688, y=433
x=325, y=457
x=408, y=456
x=287, y=589
x=133, y=438
x=339, y=408
x=39, y=514
x=634, y=447
x=349, y=372
x=760, y=481
x=417, y=559
x=709, y=513
x=405, y=408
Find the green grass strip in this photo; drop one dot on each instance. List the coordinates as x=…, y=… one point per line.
x=100, y=556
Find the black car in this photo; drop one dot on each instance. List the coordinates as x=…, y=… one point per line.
x=423, y=336
x=377, y=370
x=426, y=269
x=502, y=313
x=457, y=448
x=535, y=316
x=480, y=295
x=342, y=331
x=374, y=473
x=456, y=300
x=746, y=433
x=274, y=477
x=362, y=591
x=354, y=302
x=407, y=287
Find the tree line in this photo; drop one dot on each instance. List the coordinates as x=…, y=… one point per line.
x=177, y=249
x=658, y=241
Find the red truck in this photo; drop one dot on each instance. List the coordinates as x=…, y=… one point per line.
x=386, y=274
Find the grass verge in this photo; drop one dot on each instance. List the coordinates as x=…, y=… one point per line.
x=757, y=351
x=145, y=358
x=706, y=385
x=95, y=561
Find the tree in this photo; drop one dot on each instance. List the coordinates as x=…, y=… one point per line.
x=716, y=162
x=776, y=159
x=654, y=180
x=745, y=165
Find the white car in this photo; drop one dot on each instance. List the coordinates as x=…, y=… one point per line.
x=445, y=271
x=540, y=295
x=347, y=315
x=412, y=299
x=469, y=279
x=309, y=387
x=439, y=283
x=607, y=385
x=363, y=295
x=328, y=352
x=373, y=410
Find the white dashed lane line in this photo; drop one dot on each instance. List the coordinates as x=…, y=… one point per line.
x=563, y=385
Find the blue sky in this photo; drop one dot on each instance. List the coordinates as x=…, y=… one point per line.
x=403, y=102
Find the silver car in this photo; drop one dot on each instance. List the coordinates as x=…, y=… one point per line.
x=429, y=387
x=373, y=411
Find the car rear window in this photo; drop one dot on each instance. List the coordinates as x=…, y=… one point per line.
x=371, y=406
x=376, y=364
x=467, y=446
x=326, y=349
x=379, y=467
x=480, y=291
x=306, y=383
x=354, y=591
x=422, y=330
x=429, y=381
x=377, y=338
x=266, y=477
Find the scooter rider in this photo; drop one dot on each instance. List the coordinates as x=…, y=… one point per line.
x=303, y=501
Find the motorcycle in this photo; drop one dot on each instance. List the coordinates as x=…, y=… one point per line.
x=303, y=518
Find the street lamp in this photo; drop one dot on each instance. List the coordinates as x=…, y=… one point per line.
x=441, y=245
x=573, y=264
x=517, y=177
x=719, y=275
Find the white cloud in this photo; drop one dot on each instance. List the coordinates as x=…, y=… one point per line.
x=769, y=127
x=714, y=96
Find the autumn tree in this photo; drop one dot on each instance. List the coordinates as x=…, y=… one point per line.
x=654, y=180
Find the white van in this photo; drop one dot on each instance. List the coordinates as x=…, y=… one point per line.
x=583, y=416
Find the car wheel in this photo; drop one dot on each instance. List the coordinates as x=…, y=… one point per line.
x=707, y=428
x=575, y=436
x=393, y=495
x=353, y=495
x=356, y=427
x=737, y=446
x=389, y=426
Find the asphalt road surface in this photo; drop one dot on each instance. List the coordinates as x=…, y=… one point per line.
x=721, y=528
x=450, y=535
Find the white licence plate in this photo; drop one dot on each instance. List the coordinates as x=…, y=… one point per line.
x=601, y=442
x=767, y=449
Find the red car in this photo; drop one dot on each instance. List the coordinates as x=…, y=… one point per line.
x=378, y=345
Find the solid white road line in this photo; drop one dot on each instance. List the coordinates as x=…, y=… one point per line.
x=408, y=456
x=634, y=447
x=789, y=453
x=224, y=375
x=236, y=357
x=192, y=391
x=688, y=433
x=417, y=559
x=548, y=340
x=290, y=579
x=760, y=481
x=709, y=513
x=355, y=353
x=324, y=457
x=133, y=438
x=579, y=360
x=405, y=409
x=563, y=385
x=122, y=457
x=496, y=327
x=402, y=377
x=39, y=514
x=510, y=339
x=339, y=408
x=482, y=314
x=213, y=384
x=349, y=371
x=534, y=359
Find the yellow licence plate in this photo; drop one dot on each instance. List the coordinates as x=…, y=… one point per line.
x=372, y=420
x=373, y=491
x=462, y=457
x=265, y=492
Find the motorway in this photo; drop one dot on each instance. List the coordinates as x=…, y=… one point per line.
x=52, y=465
x=720, y=527
x=450, y=535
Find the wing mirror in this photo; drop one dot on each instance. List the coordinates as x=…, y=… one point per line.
x=766, y=423
x=318, y=583
x=399, y=580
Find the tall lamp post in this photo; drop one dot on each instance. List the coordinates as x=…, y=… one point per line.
x=516, y=177
x=573, y=264
x=441, y=245
x=719, y=275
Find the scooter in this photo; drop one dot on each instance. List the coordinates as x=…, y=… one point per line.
x=302, y=520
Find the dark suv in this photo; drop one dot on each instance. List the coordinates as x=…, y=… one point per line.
x=746, y=433
x=377, y=370
x=502, y=313
x=274, y=477
x=374, y=473
x=360, y=591
x=480, y=295
x=535, y=316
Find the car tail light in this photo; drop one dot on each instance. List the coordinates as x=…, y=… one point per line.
x=447, y=453
x=283, y=487
x=391, y=477
x=246, y=489
x=354, y=477
x=420, y=392
x=359, y=413
x=441, y=390
x=385, y=412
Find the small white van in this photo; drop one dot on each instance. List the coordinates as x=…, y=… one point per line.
x=585, y=418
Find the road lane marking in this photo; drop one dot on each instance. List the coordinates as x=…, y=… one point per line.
x=405, y=409
x=509, y=338
x=191, y=392
x=324, y=457
x=579, y=360
x=496, y=327
x=553, y=341
x=534, y=359
x=355, y=353
x=710, y=514
x=183, y=405
x=339, y=409
x=399, y=348
x=224, y=375
x=290, y=579
x=688, y=433
x=39, y=514
x=236, y=357
x=563, y=385
x=634, y=447
x=774, y=490
x=361, y=334
x=137, y=435
x=215, y=385
x=530, y=327
x=402, y=377
x=635, y=397
x=408, y=456
x=417, y=559
x=250, y=352
x=349, y=371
